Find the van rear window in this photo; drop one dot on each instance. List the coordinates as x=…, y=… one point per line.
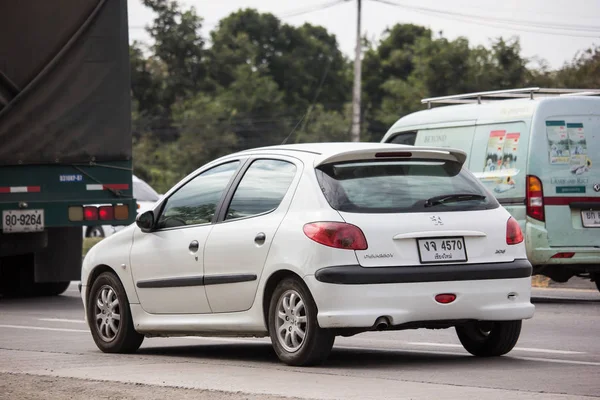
x=402, y=186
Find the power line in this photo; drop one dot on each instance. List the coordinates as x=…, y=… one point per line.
x=310, y=9
x=518, y=25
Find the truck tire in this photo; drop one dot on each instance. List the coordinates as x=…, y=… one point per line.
x=51, y=288
x=95, y=231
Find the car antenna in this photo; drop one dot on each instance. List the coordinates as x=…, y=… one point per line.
x=295, y=127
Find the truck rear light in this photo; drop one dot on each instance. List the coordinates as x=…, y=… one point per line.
x=75, y=213
x=90, y=213
x=563, y=255
x=121, y=212
x=514, y=234
x=336, y=234
x=106, y=213
x=535, y=198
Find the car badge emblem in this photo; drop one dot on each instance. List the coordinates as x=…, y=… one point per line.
x=437, y=221
x=597, y=187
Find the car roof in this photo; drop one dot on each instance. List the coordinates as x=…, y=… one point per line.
x=318, y=150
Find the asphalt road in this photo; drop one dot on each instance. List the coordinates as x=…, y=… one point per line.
x=46, y=351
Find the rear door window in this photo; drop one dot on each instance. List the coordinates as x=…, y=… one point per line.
x=407, y=138
x=402, y=186
x=262, y=188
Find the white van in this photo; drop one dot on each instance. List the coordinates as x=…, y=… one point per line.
x=538, y=151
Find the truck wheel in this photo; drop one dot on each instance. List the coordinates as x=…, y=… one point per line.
x=295, y=333
x=51, y=288
x=489, y=339
x=95, y=231
x=109, y=316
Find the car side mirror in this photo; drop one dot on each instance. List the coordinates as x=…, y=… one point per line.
x=145, y=221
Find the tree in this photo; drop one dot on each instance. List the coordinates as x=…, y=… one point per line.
x=297, y=59
x=582, y=72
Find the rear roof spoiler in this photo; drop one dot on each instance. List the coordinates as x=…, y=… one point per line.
x=395, y=152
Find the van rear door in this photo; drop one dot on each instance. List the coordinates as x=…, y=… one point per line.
x=569, y=169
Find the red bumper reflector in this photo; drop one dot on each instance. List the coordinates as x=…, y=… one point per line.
x=563, y=255
x=445, y=298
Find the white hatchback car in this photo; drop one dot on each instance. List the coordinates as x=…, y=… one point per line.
x=305, y=242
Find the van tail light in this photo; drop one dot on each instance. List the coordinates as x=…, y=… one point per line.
x=514, y=234
x=535, y=198
x=336, y=234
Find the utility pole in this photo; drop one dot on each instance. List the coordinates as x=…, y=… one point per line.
x=355, y=134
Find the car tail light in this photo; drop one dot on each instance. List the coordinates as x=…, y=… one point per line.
x=106, y=213
x=90, y=213
x=563, y=255
x=514, y=234
x=336, y=234
x=535, y=198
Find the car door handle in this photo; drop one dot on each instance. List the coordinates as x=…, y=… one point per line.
x=194, y=246
x=260, y=238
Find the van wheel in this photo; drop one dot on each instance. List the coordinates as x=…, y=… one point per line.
x=489, y=339
x=295, y=334
x=109, y=316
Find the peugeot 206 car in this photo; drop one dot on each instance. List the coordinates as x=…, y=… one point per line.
x=306, y=242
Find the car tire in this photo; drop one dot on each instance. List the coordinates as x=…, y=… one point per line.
x=489, y=339
x=293, y=313
x=95, y=231
x=111, y=334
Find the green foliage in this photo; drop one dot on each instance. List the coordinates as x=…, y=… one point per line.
x=194, y=102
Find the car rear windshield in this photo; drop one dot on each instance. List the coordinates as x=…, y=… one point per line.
x=402, y=186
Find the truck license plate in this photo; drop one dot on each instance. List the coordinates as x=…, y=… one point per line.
x=440, y=250
x=14, y=221
x=590, y=219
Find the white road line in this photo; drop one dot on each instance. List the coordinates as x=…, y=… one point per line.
x=41, y=328
x=528, y=349
x=71, y=321
x=263, y=340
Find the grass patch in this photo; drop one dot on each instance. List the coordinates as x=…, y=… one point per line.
x=88, y=243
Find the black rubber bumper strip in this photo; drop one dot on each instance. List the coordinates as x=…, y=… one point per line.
x=357, y=275
x=196, y=281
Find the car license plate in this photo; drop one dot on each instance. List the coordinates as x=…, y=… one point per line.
x=22, y=221
x=590, y=219
x=440, y=250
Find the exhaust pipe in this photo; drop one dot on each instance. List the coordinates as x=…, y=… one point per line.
x=381, y=324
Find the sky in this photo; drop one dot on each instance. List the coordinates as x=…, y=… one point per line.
x=553, y=30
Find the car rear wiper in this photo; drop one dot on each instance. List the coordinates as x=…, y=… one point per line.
x=453, y=198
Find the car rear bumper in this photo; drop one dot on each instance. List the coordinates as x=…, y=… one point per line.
x=359, y=305
x=357, y=275
x=540, y=253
